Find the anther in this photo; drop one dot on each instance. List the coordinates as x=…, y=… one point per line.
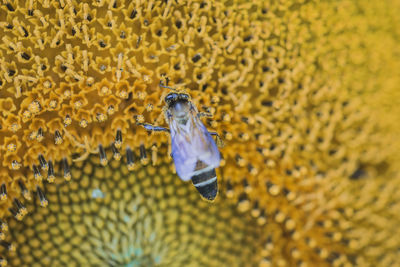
x=289, y=194
x=36, y=173
x=43, y=163
x=67, y=120
x=246, y=186
x=251, y=169
x=138, y=41
x=24, y=190
x=103, y=156
x=43, y=201
x=27, y=115
x=47, y=84
x=279, y=217
x=110, y=110
x=15, y=165
x=239, y=160
x=16, y=214
x=39, y=135
x=57, y=138
x=3, y=192
x=227, y=135
x=244, y=136
x=133, y=14
x=21, y=210
x=7, y=245
x=104, y=91
x=116, y=154
x=118, y=139
x=53, y=104
x=50, y=173
x=130, y=159
x=10, y=7
x=11, y=147
x=14, y=127
x=244, y=203
x=229, y=189
x=67, y=172
x=25, y=31
x=101, y=117
x=143, y=155
x=196, y=58
x=273, y=189
x=83, y=123
x=3, y=226
x=34, y=107
x=262, y=219
x=255, y=212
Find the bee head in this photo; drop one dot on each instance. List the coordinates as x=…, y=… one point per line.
x=172, y=98
x=178, y=106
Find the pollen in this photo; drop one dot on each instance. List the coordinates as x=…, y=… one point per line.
x=303, y=94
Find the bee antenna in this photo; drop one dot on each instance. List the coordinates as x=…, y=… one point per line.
x=165, y=86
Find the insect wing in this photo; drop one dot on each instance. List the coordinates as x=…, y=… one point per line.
x=207, y=148
x=190, y=144
x=182, y=153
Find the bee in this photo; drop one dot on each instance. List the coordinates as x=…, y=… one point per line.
x=194, y=151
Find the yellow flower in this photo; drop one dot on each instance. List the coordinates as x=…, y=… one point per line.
x=303, y=93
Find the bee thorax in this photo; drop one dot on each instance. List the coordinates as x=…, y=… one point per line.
x=180, y=109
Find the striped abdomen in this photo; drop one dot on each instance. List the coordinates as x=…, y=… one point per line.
x=205, y=180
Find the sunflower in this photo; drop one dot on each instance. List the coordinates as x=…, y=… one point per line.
x=304, y=95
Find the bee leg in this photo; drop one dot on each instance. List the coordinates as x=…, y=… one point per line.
x=219, y=141
x=150, y=127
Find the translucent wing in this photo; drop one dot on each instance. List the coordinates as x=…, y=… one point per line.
x=190, y=143
x=183, y=155
x=209, y=150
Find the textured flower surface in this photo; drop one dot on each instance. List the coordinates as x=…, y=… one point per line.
x=111, y=217
x=305, y=95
